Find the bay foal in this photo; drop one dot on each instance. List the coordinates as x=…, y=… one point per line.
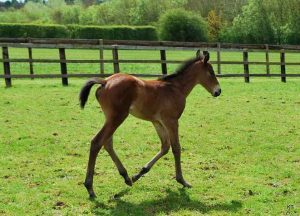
x=160, y=101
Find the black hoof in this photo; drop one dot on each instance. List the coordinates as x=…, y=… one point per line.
x=187, y=185
x=128, y=181
x=184, y=183
x=135, y=178
x=92, y=196
x=90, y=190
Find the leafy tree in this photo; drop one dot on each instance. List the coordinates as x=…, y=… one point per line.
x=149, y=11
x=252, y=26
x=226, y=9
x=293, y=27
x=279, y=13
x=71, y=14
x=214, y=26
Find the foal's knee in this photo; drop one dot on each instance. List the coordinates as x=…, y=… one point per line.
x=165, y=150
x=97, y=142
x=95, y=145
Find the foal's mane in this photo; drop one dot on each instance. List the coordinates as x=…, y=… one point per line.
x=181, y=69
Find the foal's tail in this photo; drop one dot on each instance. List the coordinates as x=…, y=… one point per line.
x=85, y=90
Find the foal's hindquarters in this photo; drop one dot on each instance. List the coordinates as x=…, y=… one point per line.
x=154, y=101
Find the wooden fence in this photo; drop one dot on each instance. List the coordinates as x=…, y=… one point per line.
x=115, y=46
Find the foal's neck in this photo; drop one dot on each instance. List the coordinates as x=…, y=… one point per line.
x=186, y=81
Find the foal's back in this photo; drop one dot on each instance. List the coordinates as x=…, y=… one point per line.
x=148, y=100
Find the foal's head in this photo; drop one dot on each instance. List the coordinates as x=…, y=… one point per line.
x=206, y=75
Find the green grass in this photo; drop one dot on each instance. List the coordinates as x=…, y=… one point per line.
x=54, y=68
x=240, y=153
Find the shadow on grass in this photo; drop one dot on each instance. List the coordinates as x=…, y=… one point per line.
x=173, y=202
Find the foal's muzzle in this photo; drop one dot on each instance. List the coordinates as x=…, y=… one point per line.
x=217, y=92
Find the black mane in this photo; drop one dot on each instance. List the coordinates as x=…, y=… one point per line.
x=181, y=69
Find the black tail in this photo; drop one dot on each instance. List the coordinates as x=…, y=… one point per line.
x=85, y=91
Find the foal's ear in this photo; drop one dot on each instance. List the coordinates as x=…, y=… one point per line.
x=198, y=53
x=206, y=56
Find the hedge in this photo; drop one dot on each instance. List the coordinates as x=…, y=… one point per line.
x=113, y=32
x=78, y=31
x=34, y=31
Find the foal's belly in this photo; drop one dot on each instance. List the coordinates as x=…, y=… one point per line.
x=143, y=113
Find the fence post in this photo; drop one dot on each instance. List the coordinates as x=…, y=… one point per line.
x=30, y=62
x=164, y=69
x=267, y=60
x=30, y=58
x=246, y=65
x=219, y=58
x=116, y=59
x=63, y=66
x=6, y=66
x=101, y=56
x=282, y=65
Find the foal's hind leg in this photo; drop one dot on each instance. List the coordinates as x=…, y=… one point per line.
x=123, y=172
x=96, y=144
x=102, y=138
x=165, y=146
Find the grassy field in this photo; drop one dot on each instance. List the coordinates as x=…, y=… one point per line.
x=240, y=153
x=54, y=68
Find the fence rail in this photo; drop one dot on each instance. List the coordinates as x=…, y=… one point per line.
x=116, y=45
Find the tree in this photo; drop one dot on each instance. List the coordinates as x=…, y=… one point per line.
x=252, y=26
x=226, y=9
x=149, y=11
x=293, y=27
x=214, y=26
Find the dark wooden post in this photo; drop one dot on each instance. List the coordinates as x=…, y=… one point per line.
x=63, y=66
x=116, y=59
x=6, y=66
x=219, y=58
x=101, y=56
x=267, y=60
x=282, y=64
x=30, y=62
x=246, y=66
x=164, y=69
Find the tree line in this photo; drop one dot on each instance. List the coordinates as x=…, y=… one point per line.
x=238, y=21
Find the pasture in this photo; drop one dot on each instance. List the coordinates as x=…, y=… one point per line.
x=240, y=153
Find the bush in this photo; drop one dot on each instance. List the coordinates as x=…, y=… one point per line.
x=113, y=32
x=180, y=25
x=34, y=31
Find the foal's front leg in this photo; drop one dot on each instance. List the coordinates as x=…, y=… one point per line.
x=172, y=127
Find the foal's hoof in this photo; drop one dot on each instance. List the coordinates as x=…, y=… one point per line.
x=135, y=178
x=184, y=183
x=92, y=196
x=90, y=190
x=128, y=181
x=187, y=185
